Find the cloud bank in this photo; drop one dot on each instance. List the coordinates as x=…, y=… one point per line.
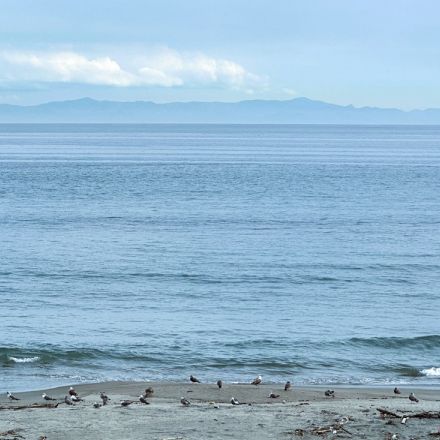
x=166, y=68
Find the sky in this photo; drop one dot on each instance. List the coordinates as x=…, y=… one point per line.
x=359, y=52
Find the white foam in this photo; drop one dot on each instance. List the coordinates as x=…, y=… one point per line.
x=23, y=360
x=432, y=372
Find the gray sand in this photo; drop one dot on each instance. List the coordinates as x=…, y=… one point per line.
x=211, y=416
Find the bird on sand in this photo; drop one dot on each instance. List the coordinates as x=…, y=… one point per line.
x=274, y=396
x=143, y=400
x=413, y=398
x=185, y=402
x=46, y=397
x=194, y=379
x=396, y=391
x=76, y=399
x=104, y=398
x=234, y=401
x=97, y=405
x=68, y=400
x=329, y=393
x=257, y=380
x=148, y=392
x=72, y=392
x=126, y=402
x=287, y=386
x=11, y=396
x=219, y=383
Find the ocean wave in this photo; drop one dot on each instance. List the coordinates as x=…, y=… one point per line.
x=24, y=360
x=431, y=372
x=418, y=342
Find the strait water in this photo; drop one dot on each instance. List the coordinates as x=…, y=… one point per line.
x=309, y=253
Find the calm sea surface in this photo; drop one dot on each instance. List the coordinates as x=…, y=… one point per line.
x=309, y=253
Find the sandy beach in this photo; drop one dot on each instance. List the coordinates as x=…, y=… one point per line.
x=302, y=412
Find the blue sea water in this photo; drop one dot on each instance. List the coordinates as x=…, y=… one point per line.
x=151, y=252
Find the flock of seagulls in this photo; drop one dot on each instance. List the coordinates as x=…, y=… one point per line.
x=72, y=396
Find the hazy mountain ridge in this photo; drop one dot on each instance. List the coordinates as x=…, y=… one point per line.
x=295, y=111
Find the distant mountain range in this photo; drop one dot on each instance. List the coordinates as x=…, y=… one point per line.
x=295, y=111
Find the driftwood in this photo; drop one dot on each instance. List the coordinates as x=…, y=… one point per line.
x=31, y=406
x=385, y=412
x=12, y=432
x=434, y=434
x=421, y=415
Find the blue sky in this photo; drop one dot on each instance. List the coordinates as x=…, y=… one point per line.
x=379, y=53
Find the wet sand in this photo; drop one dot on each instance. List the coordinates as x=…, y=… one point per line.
x=297, y=413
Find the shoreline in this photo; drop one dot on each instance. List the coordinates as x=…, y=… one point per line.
x=211, y=415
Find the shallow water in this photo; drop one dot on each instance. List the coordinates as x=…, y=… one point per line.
x=154, y=251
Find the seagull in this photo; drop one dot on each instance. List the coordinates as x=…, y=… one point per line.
x=97, y=405
x=219, y=383
x=143, y=400
x=72, y=392
x=234, y=401
x=75, y=398
x=274, y=396
x=126, y=402
x=413, y=398
x=104, y=398
x=11, y=396
x=396, y=391
x=330, y=393
x=287, y=386
x=185, y=402
x=148, y=392
x=257, y=380
x=68, y=400
x=194, y=379
x=46, y=397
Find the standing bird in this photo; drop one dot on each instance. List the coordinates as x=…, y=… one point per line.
x=413, y=398
x=234, y=401
x=396, y=391
x=46, y=397
x=257, y=380
x=72, y=392
x=11, y=396
x=194, y=379
x=287, y=386
x=104, y=398
x=148, y=392
x=219, y=383
x=185, y=402
x=68, y=400
x=143, y=400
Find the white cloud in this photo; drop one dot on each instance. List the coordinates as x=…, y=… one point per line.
x=167, y=68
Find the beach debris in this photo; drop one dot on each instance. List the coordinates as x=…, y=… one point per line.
x=396, y=390
x=68, y=400
x=148, y=392
x=143, y=400
x=194, y=379
x=185, y=402
x=104, y=398
x=391, y=436
x=42, y=437
x=257, y=380
x=126, y=402
x=219, y=383
x=422, y=415
x=287, y=386
x=12, y=432
x=413, y=398
x=72, y=392
x=97, y=405
x=329, y=393
x=46, y=397
x=31, y=406
x=11, y=396
x=385, y=412
x=273, y=396
x=403, y=421
x=234, y=401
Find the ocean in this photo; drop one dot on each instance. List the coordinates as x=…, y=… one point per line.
x=152, y=252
